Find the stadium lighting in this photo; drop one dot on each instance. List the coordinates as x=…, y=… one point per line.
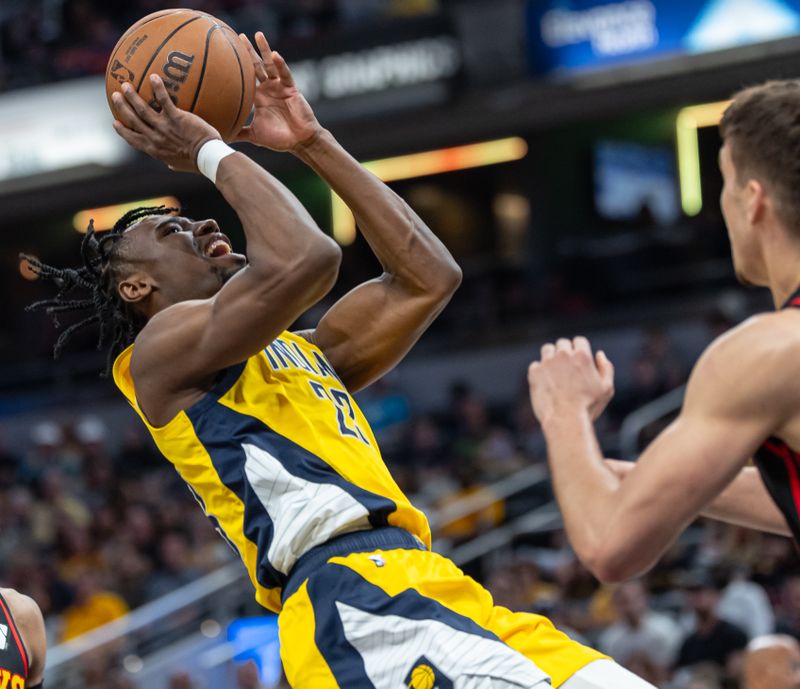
x=423, y=164
x=687, y=123
x=105, y=217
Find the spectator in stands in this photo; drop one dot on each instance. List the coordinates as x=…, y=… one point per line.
x=247, y=676
x=789, y=619
x=746, y=604
x=641, y=636
x=772, y=662
x=93, y=607
x=175, y=568
x=181, y=680
x=490, y=512
x=712, y=640
x=518, y=586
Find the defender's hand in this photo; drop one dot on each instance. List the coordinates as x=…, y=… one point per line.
x=568, y=378
x=283, y=119
x=170, y=135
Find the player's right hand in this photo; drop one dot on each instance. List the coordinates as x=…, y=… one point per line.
x=170, y=134
x=283, y=119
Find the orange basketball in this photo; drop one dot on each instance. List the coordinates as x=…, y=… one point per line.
x=204, y=66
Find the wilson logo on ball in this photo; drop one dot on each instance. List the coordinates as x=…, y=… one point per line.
x=176, y=69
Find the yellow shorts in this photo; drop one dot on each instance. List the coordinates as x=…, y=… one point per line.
x=404, y=617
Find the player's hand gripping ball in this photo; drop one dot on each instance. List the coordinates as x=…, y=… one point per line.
x=204, y=65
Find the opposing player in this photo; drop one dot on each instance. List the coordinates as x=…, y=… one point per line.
x=742, y=400
x=260, y=423
x=23, y=642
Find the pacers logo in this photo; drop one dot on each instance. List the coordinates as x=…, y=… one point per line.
x=425, y=675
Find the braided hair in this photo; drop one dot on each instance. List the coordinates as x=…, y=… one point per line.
x=119, y=322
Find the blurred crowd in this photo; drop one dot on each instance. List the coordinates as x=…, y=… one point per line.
x=91, y=533
x=46, y=40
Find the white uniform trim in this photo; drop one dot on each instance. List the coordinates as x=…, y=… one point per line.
x=303, y=514
x=390, y=645
x=605, y=674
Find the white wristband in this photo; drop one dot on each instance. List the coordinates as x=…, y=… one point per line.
x=210, y=155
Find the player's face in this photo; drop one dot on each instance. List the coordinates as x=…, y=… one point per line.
x=733, y=202
x=185, y=259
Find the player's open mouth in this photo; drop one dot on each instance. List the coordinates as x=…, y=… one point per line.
x=218, y=248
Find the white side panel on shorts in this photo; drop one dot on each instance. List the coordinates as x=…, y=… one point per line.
x=304, y=514
x=390, y=645
x=605, y=674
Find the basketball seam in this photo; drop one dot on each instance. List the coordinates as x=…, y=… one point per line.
x=203, y=68
x=241, y=74
x=158, y=50
x=122, y=38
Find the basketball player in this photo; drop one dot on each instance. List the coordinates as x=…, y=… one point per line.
x=742, y=399
x=22, y=642
x=260, y=422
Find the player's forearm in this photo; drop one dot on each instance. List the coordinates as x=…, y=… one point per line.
x=585, y=488
x=405, y=246
x=613, y=532
x=280, y=232
x=746, y=502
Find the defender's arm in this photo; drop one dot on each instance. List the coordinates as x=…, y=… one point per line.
x=620, y=529
x=745, y=502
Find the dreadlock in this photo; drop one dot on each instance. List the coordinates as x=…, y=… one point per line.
x=119, y=323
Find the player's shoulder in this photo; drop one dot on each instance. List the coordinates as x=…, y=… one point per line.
x=27, y=616
x=28, y=619
x=22, y=608
x=770, y=338
x=758, y=359
x=168, y=331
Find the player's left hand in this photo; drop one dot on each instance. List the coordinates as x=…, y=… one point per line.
x=568, y=378
x=283, y=119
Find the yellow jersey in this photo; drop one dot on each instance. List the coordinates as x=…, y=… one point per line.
x=281, y=459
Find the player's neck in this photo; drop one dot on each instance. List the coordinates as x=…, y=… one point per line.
x=782, y=259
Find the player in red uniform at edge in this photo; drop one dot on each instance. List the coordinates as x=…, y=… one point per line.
x=742, y=400
x=23, y=642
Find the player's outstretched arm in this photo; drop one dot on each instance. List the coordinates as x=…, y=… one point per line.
x=745, y=502
x=291, y=263
x=620, y=529
x=369, y=330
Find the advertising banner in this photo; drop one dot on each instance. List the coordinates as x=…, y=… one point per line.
x=566, y=35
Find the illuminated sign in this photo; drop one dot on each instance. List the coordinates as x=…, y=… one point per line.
x=410, y=63
x=58, y=127
x=256, y=639
x=590, y=34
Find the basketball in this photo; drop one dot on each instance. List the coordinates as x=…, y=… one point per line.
x=205, y=68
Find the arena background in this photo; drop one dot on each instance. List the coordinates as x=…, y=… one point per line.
x=569, y=163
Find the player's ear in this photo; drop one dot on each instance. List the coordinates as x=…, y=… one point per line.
x=757, y=200
x=135, y=287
